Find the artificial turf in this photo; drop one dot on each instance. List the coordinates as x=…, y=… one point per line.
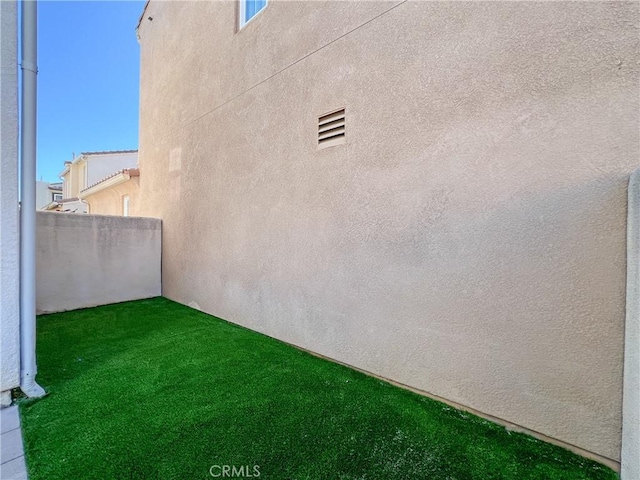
x=155, y=390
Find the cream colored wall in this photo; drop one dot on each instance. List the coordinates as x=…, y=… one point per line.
x=88, y=260
x=9, y=218
x=73, y=180
x=77, y=177
x=468, y=239
x=66, y=185
x=109, y=201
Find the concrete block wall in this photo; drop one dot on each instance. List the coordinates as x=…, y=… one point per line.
x=89, y=260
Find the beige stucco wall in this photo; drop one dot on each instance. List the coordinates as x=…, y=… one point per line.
x=77, y=171
x=71, y=180
x=75, y=178
x=109, y=201
x=9, y=226
x=66, y=184
x=468, y=239
x=88, y=260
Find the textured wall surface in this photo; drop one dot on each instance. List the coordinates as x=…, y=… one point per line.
x=468, y=239
x=43, y=194
x=109, y=201
x=9, y=251
x=88, y=260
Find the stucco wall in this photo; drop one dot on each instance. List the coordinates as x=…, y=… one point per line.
x=88, y=260
x=109, y=201
x=78, y=177
x=66, y=185
x=9, y=253
x=101, y=166
x=43, y=195
x=468, y=239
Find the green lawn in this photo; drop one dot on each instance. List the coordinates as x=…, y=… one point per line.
x=155, y=390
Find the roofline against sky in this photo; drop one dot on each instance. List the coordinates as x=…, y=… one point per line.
x=86, y=154
x=144, y=10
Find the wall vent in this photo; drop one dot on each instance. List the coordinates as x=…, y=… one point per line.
x=331, y=129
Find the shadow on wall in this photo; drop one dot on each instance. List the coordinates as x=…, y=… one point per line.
x=515, y=309
x=88, y=260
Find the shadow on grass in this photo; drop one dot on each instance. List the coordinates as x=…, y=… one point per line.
x=155, y=390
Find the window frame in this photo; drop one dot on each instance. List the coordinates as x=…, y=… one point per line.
x=242, y=10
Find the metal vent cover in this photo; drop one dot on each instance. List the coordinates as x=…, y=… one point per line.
x=331, y=129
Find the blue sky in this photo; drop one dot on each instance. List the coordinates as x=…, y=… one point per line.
x=88, y=81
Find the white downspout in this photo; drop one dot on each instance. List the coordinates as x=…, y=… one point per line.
x=29, y=67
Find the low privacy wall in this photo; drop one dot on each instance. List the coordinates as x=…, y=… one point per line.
x=89, y=260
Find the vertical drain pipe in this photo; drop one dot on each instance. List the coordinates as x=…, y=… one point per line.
x=28, y=201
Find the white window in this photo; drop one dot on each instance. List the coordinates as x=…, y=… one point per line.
x=125, y=205
x=249, y=9
x=57, y=197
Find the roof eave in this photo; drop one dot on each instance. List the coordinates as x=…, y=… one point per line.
x=144, y=10
x=78, y=159
x=108, y=152
x=107, y=183
x=50, y=205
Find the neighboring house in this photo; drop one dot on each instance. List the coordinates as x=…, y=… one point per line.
x=46, y=193
x=116, y=194
x=434, y=192
x=87, y=170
